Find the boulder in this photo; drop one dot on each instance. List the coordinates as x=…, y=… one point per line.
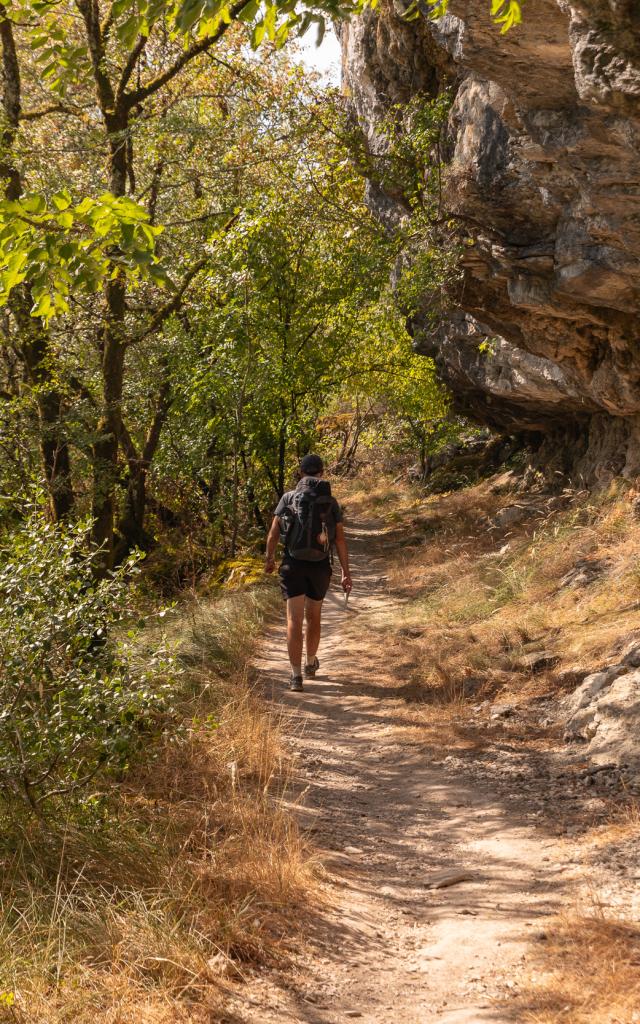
x=604, y=713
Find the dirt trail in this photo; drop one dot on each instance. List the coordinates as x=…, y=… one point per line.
x=388, y=947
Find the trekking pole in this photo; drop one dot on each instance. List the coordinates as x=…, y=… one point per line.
x=347, y=594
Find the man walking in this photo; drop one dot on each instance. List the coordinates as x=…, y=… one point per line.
x=310, y=519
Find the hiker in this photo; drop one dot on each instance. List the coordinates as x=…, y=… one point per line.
x=311, y=521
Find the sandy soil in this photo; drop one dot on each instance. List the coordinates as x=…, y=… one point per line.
x=390, y=825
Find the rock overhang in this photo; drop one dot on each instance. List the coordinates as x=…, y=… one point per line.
x=543, y=171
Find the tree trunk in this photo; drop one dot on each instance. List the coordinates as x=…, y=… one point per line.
x=105, y=448
x=131, y=527
x=116, y=106
x=54, y=445
x=11, y=107
x=282, y=455
x=131, y=530
x=34, y=348
x=251, y=494
x=235, y=512
x=112, y=347
x=422, y=440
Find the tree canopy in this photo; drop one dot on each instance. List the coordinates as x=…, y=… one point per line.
x=193, y=293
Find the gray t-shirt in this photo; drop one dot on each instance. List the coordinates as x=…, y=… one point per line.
x=285, y=503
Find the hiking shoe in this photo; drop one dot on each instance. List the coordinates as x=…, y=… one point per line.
x=295, y=683
x=310, y=670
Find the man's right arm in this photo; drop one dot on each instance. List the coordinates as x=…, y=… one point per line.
x=343, y=556
x=272, y=543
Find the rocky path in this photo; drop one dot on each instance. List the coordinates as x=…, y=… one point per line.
x=436, y=889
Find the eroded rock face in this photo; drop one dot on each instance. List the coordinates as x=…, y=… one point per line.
x=544, y=174
x=604, y=714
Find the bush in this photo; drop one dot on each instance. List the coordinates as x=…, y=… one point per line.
x=72, y=700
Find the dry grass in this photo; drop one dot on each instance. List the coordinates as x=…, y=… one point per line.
x=371, y=493
x=588, y=970
x=191, y=871
x=487, y=598
x=478, y=602
x=141, y=914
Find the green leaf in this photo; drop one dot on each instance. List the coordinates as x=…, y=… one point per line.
x=34, y=204
x=249, y=11
x=129, y=30
x=61, y=200
x=305, y=24
x=43, y=307
x=85, y=206
x=14, y=274
x=282, y=35
x=270, y=21
x=141, y=257
x=128, y=234
x=190, y=12
x=258, y=34
x=159, y=276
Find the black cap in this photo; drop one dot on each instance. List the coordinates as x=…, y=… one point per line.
x=311, y=465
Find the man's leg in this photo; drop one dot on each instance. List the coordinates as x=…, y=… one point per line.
x=295, y=618
x=312, y=614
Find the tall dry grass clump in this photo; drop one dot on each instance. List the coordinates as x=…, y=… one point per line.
x=586, y=971
x=176, y=878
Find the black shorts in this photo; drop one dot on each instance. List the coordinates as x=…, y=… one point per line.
x=309, y=578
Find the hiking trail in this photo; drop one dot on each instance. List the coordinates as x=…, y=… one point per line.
x=390, y=825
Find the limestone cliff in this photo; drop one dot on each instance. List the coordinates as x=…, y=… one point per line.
x=544, y=173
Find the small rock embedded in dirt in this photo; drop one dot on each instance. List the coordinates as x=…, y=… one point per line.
x=511, y=515
x=585, y=571
x=352, y=1013
x=502, y=711
x=536, y=661
x=221, y=966
x=506, y=481
x=446, y=878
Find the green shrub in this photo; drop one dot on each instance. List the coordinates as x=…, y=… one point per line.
x=72, y=699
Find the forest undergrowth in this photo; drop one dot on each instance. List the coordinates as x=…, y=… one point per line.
x=177, y=876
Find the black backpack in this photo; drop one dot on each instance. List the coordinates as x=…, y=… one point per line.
x=309, y=521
